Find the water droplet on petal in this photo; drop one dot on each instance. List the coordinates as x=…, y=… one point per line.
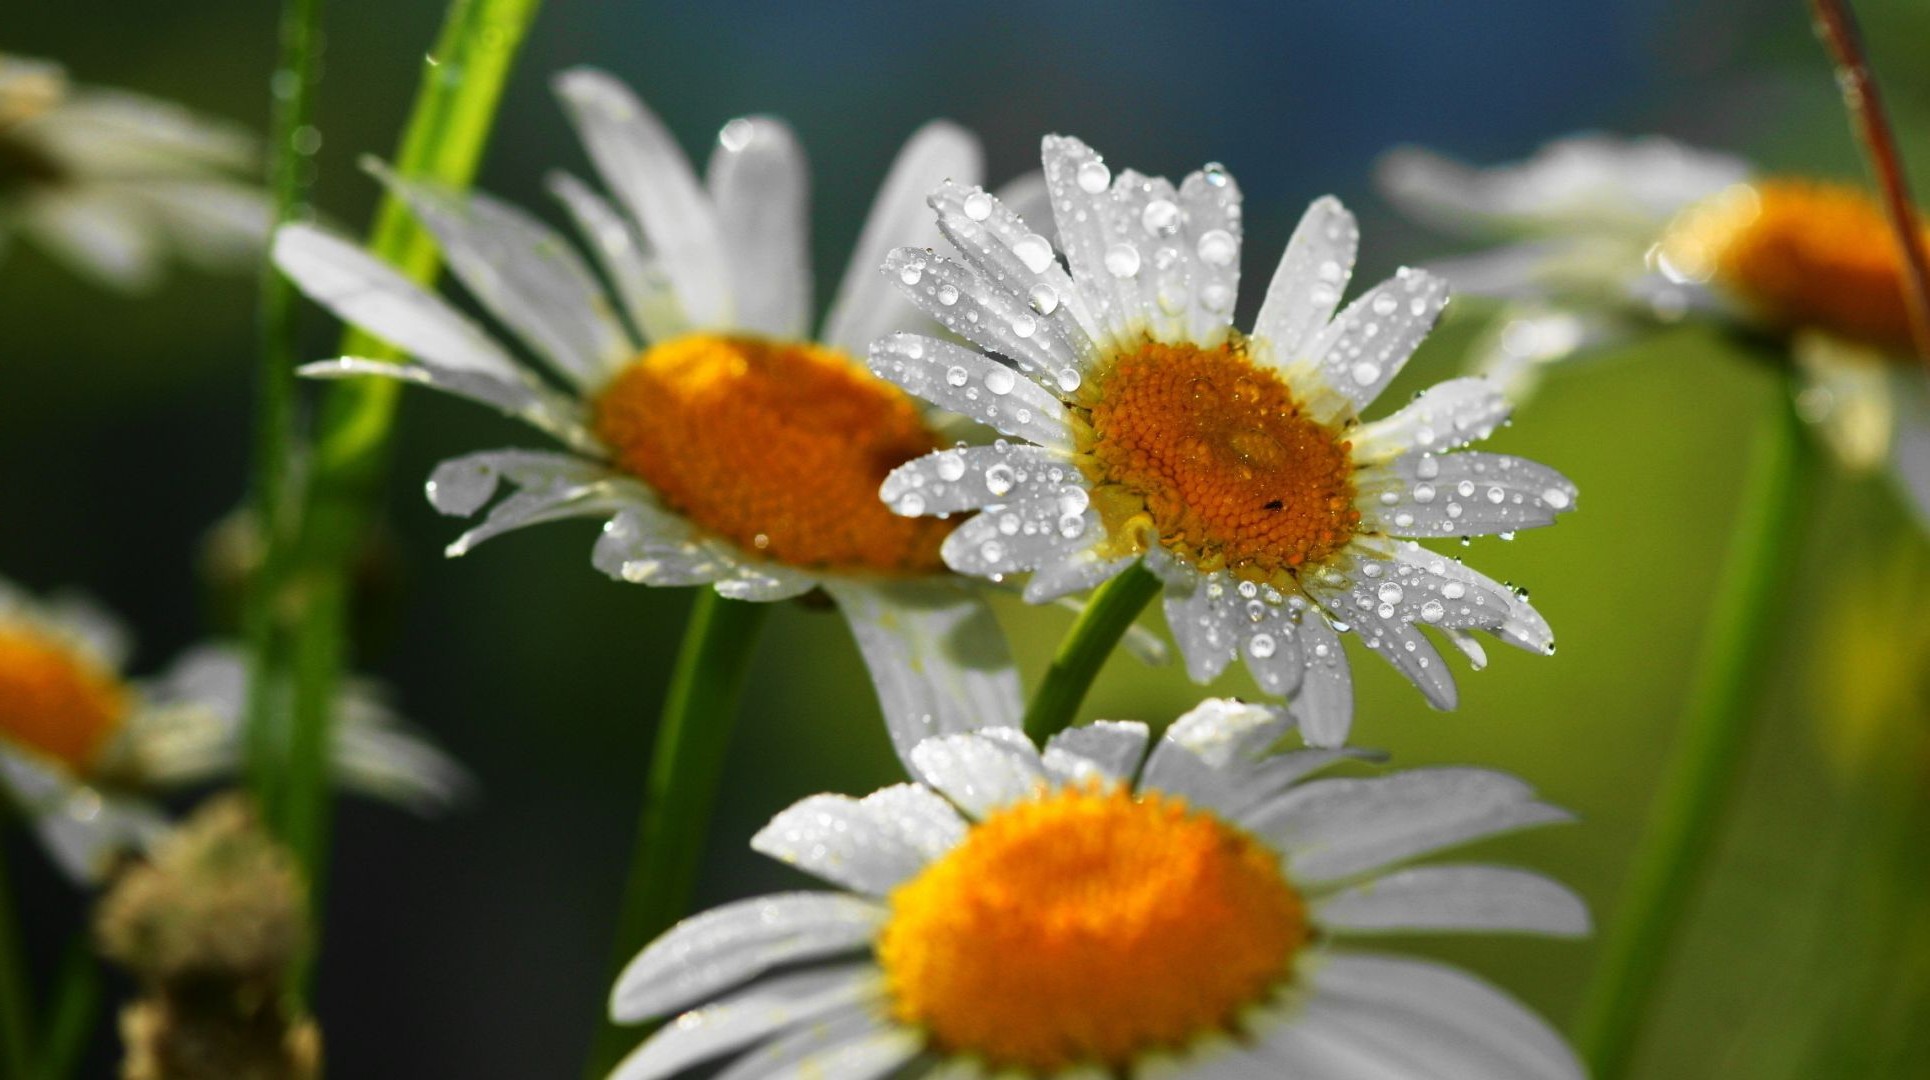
x=1000, y=380
x=1094, y=177
x=1217, y=247
x=1122, y=260
x=956, y=376
x=999, y=478
x=1261, y=646
x=947, y=295
x=978, y=206
x=1035, y=252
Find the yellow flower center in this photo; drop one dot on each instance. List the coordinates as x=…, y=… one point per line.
x=1800, y=253
x=1089, y=926
x=776, y=446
x=1212, y=456
x=56, y=701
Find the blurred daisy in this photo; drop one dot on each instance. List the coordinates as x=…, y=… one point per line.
x=112, y=183
x=720, y=444
x=1600, y=239
x=1235, y=466
x=84, y=750
x=1095, y=910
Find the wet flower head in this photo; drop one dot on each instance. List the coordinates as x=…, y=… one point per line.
x=56, y=699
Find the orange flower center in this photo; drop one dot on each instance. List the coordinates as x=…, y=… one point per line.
x=56, y=701
x=1800, y=254
x=776, y=446
x=1211, y=455
x=1089, y=926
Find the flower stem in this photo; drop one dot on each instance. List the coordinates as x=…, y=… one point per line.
x=1091, y=640
x=73, y=1011
x=686, y=766
x=1725, y=698
x=16, y=1007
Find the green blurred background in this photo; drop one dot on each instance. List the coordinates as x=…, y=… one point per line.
x=474, y=946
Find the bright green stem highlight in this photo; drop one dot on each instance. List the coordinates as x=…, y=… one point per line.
x=685, y=769
x=1726, y=697
x=16, y=1008
x=74, y=1010
x=1091, y=640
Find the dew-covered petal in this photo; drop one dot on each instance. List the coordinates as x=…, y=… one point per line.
x=970, y=477
x=1455, y=898
x=917, y=815
x=726, y=945
x=648, y=296
x=937, y=658
x=523, y=399
x=1520, y=624
x=1021, y=535
x=1108, y=750
x=1308, y=284
x=1025, y=197
x=980, y=773
x=763, y=1009
x=759, y=181
x=867, y=306
x=366, y=292
x=970, y=305
x=1445, y=416
x=839, y=839
x=1361, y=351
x=1082, y=209
x=1395, y=582
x=1336, y=828
x=1205, y=636
x=1004, y=248
x=1399, y=1019
x=641, y=164
x=1209, y=203
x=968, y=382
x=643, y=545
x=852, y=1045
x=525, y=274
x=1324, y=704
x=1207, y=753
x=1466, y=494
x=461, y=486
x=1084, y=570
x=760, y=581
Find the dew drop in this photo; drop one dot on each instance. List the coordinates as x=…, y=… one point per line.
x=1432, y=611
x=911, y=273
x=956, y=376
x=1035, y=252
x=1390, y=593
x=1454, y=590
x=999, y=478
x=1094, y=177
x=1424, y=493
x=1217, y=247
x=1428, y=467
x=1024, y=325
x=911, y=504
x=978, y=206
x=951, y=466
x=1261, y=646
x=947, y=295
x=1122, y=260
x=1384, y=304
x=1365, y=373
x=1044, y=299
x=1161, y=217
x=1556, y=498
x=1000, y=380
x=1068, y=379
x=992, y=551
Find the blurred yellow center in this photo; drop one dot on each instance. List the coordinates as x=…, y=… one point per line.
x=1800, y=254
x=1089, y=926
x=776, y=446
x=54, y=700
x=1212, y=456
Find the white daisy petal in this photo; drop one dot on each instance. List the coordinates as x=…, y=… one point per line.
x=1428, y=1020
x=525, y=274
x=1407, y=583
x=977, y=772
x=1520, y=624
x=1026, y=198
x=1003, y=247
x=867, y=306
x=461, y=486
x=1209, y=201
x=1081, y=188
x=968, y=382
x=854, y=1045
x=971, y=477
x=1107, y=750
x=362, y=290
x=643, y=167
x=1021, y=535
x=1195, y=614
x=919, y=816
x=1441, y=898
x=525, y=400
x=648, y=296
x=1207, y=752
x=1362, y=350
x=757, y=581
x=1400, y=643
x=1445, y=416
x=970, y=305
x=1466, y=494
x=97, y=235
x=733, y=1022
x=1324, y=705
x=936, y=656
x=646, y=546
x=839, y=839
x=1077, y=573
x=1308, y=284
x=724, y=946
x=1332, y=829
x=759, y=181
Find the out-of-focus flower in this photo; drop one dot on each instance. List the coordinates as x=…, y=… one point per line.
x=1099, y=910
x=84, y=750
x=1601, y=239
x=720, y=445
x=1236, y=466
x=113, y=183
x=1870, y=682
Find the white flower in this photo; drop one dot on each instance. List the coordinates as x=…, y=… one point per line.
x=113, y=183
x=83, y=750
x=1600, y=239
x=1096, y=910
x=1235, y=465
x=719, y=444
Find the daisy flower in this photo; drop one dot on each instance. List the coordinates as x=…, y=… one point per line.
x=1235, y=466
x=1097, y=910
x=718, y=442
x=112, y=183
x=84, y=750
x=1600, y=239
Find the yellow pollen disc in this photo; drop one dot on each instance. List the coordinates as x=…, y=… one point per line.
x=777, y=446
x=55, y=701
x=1212, y=456
x=1800, y=253
x=1089, y=926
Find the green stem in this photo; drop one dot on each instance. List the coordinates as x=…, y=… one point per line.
x=16, y=1007
x=1091, y=640
x=1726, y=697
x=685, y=768
x=74, y=1010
